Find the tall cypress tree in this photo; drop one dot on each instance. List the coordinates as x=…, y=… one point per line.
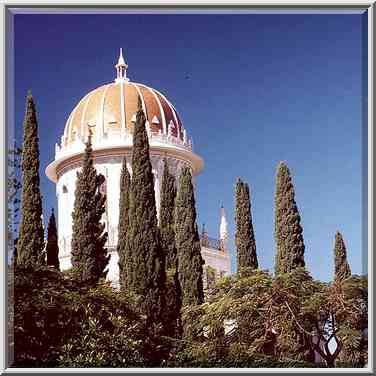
x=30, y=243
x=14, y=187
x=52, y=248
x=89, y=255
x=166, y=225
x=125, y=263
x=288, y=231
x=341, y=266
x=187, y=242
x=244, y=236
x=166, y=217
x=148, y=275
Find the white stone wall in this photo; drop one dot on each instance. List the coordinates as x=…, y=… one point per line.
x=219, y=260
x=111, y=169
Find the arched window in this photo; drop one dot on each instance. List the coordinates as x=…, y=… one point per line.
x=65, y=189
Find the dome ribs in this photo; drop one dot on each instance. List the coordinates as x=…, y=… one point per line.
x=74, y=128
x=153, y=108
x=101, y=117
x=168, y=114
x=82, y=122
x=131, y=100
x=112, y=107
x=179, y=122
x=66, y=129
x=175, y=115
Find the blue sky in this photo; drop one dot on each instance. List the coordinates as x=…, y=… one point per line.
x=261, y=88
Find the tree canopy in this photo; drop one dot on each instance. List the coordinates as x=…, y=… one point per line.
x=89, y=254
x=30, y=244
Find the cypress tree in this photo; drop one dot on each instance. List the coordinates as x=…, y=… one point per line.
x=89, y=255
x=288, y=231
x=341, y=266
x=30, y=243
x=244, y=236
x=166, y=225
x=124, y=261
x=148, y=275
x=166, y=217
x=52, y=248
x=13, y=194
x=187, y=242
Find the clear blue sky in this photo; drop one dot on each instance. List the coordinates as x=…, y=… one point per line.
x=261, y=88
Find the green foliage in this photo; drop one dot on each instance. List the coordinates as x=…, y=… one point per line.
x=166, y=217
x=349, y=301
x=249, y=321
x=166, y=226
x=13, y=191
x=61, y=322
x=210, y=279
x=341, y=266
x=30, y=242
x=288, y=231
x=253, y=319
x=42, y=316
x=187, y=242
x=172, y=317
x=148, y=276
x=89, y=255
x=52, y=248
x=244, y=236
x=124, y=258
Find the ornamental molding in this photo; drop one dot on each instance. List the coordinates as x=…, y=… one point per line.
x=175, y=163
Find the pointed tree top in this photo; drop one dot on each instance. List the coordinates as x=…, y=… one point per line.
x=282, y=165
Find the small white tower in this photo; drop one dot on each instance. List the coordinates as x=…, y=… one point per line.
x=223, y=232
x=121, y=69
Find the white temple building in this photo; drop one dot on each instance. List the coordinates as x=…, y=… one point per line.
x=110, y=112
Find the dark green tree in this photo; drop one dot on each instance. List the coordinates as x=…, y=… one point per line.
x=166, y=225
x=30, y=243
x=341, y=266
x=166, y=217
x=124, y=261
x=148, y=275
x=244, y=236
x=287, y=231
x=52, y=248
x=13, y=194
x=187, y=242
x=89, y=255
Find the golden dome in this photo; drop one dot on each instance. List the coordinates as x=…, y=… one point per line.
x=111, y=108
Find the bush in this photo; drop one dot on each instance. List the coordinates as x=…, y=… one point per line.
x=60, y=322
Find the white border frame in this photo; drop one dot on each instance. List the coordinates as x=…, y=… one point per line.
x=288, y=7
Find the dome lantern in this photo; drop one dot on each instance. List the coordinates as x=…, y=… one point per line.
x=121, y=69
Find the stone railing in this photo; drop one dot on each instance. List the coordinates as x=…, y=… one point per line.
x=213, y=243
x=115, y=138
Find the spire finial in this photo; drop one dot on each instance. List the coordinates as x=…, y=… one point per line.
x=121, y=69
x=203, y=228
x=223, y=231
